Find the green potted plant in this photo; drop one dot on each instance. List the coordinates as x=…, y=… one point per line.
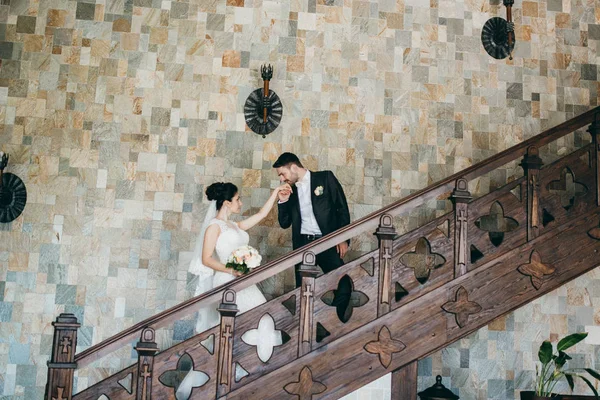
x=552, y=370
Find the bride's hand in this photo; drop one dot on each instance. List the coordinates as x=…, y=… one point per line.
x=285, y=187
x=236, y=273
x=283, y=191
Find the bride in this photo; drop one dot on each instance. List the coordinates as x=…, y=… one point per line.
x=219, y=236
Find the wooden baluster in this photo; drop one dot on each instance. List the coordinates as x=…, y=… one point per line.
x=594, y=130
x=386, y=233
x=308, y=271
x=61, y=366
x=146, y=349
x=228, y=310
x=531, y=165
x=460, y=198
x=404, y=382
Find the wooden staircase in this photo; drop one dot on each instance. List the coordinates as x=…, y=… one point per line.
x=415, y=294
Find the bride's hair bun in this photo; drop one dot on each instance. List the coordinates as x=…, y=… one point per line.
x=220, y=192
x=215, y=191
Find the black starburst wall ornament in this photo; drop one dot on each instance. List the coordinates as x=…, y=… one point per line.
x=498, y=34
x=13, y=194
x=263, y=109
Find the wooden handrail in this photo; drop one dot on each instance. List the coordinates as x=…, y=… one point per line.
x=369, y=222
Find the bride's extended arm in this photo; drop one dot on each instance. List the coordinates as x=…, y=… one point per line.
x=264, y=211
x=210, y=241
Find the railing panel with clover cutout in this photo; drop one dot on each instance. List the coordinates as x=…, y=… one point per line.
x=567, y=187
x=345, y=299
x=188, y=370
x=252, y=357
x=423, y=260
x=497, y=223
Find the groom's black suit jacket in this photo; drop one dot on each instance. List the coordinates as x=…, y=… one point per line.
x=330, y=208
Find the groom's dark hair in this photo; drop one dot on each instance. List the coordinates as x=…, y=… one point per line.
x=287, y=159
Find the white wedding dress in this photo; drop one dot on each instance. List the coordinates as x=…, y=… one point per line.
x=231, y=239
x=264, y=337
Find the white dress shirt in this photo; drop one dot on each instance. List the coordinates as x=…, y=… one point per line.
x=309, y=224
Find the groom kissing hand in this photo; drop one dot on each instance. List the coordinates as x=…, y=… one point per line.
x=314, y=206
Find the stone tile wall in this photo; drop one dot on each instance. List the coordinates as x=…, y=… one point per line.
x=117, y=113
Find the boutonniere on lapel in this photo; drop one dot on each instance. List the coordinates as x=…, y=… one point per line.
x=318, y=190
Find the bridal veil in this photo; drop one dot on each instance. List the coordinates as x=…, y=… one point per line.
x=207, y=315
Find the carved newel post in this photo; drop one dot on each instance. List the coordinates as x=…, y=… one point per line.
x=228, y=310
x=594, y=130
x=61, y=366
x=147, y=349
x=460, y=198
x=531, y=165
x=386, y=233
x=308, y=272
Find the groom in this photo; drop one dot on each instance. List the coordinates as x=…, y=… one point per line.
x=315, y=207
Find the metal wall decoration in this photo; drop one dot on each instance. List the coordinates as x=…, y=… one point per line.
x=437, y=392
x=13, y=195
x=263, y=109
x=498, y=34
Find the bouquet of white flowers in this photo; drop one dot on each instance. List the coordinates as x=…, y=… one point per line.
x=244, y=259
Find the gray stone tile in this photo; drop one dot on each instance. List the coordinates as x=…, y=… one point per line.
x=19, y=353
x=63, y=37
x=25, y=24
x=49, y=255
x=589, y=72
x=594, y=31
x=6, y=50
x=57, y=273
x=287, y=45
x=514, y=91
x=319, y=119
x=26, y=375
x=179, y=10
x=161, y=116
x=18, y=88
x=420, y=74
x=5, y=311
x=85, y=11
x=215, y=22
x=65, y=294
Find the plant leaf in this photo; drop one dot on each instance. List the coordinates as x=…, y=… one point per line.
x=545, y=353
x=571, y=340
x=561, y=359
x=593, y=373
x=570, y=381
x=590, y=385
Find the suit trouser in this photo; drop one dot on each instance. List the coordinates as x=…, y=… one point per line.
x=328, y=261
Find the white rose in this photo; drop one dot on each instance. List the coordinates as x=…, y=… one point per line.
x=253, y=262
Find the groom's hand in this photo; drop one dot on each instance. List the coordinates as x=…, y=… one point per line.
x=342, y=248
x=284, y=193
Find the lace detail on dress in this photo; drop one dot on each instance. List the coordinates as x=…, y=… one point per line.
x=230, y=239
x=222, y=224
